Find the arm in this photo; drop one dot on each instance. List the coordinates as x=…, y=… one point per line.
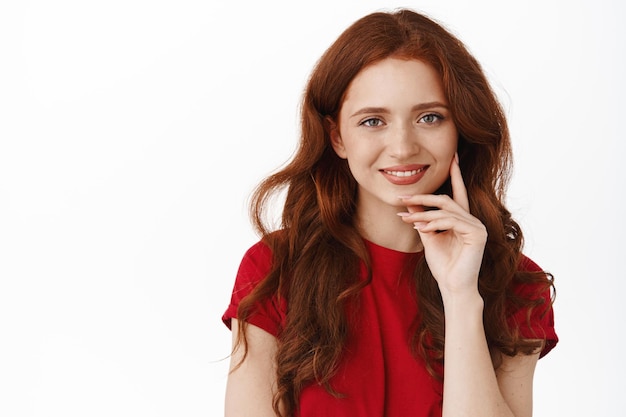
x=251, y=386
x=515, y=379
x=454, y=243
x=471, y=386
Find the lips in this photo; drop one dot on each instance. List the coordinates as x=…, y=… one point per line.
x=404, y=174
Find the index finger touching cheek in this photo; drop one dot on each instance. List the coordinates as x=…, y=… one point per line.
x=459, y=192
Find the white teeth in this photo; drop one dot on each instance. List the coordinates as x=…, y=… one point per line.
x=404, y=173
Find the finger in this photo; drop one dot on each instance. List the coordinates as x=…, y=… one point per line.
x=415, y=209
x=441, y=217
x=459, y=192
x=426, y=202
x=447, y=224
x=427, y=216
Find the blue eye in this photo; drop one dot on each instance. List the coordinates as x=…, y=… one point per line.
x=431, y=118
x=372, y=122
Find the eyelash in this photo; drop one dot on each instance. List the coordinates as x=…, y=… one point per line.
x=371, y=119
x=437, y=117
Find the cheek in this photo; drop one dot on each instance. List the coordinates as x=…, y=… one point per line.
x=444, y=150
x=447, y=145
x=359, y=160
x=359, y=150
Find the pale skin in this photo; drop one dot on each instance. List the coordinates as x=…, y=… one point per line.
x=395, y=115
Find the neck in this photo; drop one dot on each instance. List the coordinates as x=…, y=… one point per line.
x=383, y=227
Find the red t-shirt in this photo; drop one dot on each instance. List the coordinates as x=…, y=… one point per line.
x=379, y=376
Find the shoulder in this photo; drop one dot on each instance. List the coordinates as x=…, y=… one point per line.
x=531, y=280
x=531, y=301
x=526, y=264
x=256, y=263
x=266, y=311
x=259, y=251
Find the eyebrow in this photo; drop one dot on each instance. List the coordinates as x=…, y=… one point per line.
x=417, y=107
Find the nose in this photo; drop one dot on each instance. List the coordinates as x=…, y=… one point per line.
x=403, y=142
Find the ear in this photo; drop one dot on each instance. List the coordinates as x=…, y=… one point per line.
x=335, y=137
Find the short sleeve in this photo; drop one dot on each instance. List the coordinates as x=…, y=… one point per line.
x=267, y=314
x=540, y=325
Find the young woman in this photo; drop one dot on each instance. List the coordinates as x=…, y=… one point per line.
x=395, y=285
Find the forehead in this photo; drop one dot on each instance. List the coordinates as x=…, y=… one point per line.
x=395, y=81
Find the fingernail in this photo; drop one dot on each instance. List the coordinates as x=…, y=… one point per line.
x=456, y=157
x=419, y=225
x=404, y=197
x=403, y=214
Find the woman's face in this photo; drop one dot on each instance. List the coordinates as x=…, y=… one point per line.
x=396, y=131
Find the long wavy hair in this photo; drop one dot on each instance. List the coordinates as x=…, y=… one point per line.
x=317, y=250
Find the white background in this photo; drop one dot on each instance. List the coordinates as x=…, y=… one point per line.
x=131, y=135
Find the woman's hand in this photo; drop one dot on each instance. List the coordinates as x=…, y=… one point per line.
x=453, y=239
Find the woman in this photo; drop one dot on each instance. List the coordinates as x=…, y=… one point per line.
x=395, y=253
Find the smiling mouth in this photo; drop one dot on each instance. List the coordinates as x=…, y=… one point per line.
x=405, y=173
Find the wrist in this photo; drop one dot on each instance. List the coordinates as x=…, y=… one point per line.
x=464, y=302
